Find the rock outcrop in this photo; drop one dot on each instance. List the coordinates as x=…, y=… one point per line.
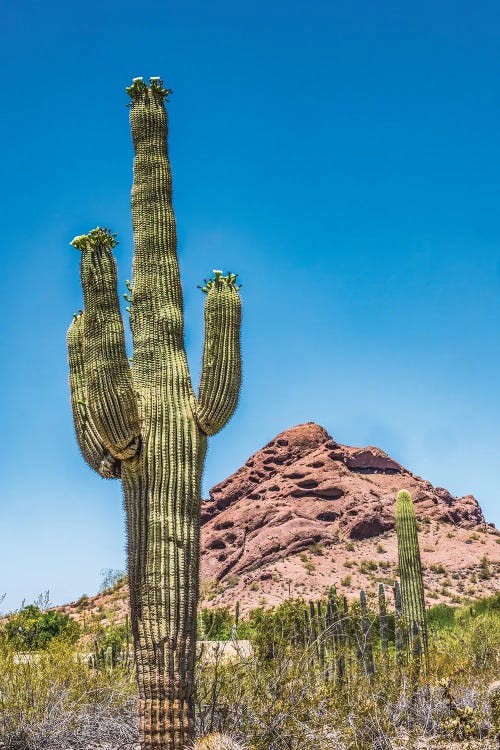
x=304, y=489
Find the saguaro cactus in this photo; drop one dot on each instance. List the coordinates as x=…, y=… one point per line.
x=143, y=423
x=365, y=646
x=383, y=625
x=410, y=568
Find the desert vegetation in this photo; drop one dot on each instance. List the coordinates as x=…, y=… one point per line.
x=276, y=679
x=379, y=672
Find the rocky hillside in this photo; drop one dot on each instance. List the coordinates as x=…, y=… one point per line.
x=305, y=512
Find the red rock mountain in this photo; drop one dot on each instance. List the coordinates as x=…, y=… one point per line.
x=305, y=512
x=290, y=516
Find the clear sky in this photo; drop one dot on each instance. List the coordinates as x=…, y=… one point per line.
x=342, y=156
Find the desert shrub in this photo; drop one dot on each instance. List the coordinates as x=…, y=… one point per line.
x=287, y=702
x=272, y=630
x=316, y=549
x=471, y=648
x=82, y=601
x=489, y=604
x=441, y=616
x=51, y=699
x=31, y=629
x=367, y=565
x=215, y=624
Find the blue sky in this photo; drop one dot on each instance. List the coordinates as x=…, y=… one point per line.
x=343, y=157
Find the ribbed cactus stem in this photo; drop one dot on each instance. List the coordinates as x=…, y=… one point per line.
x=321, y=633
x=383, y=625
x=366, y=645
x=313, y=624
x=143, y=422
x=410, y=568
x=399, y=637
x=416, y=641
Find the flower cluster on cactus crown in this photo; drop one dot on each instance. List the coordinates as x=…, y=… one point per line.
x=99, y=237
x=140, y=90
x=218, y=279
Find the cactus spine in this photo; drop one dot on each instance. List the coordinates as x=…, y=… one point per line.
x=143, y=423
x=410, y=568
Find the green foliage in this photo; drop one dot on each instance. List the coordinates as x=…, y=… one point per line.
x=215, y=624
x=366, y=566
x=485, y=569
x=274, y=630
x=441, y=616
x=437, y=568
x=445, y=616
x=316, y=549
x=30, y=629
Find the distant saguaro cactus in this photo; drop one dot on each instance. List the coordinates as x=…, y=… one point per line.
x=365, y=646
x=410, y=569
x=143, y=423
x=398, y=626
x=383, y=625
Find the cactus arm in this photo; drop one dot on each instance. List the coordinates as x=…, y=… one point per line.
x=111, y=398
x=221, y=370
x=91, y=447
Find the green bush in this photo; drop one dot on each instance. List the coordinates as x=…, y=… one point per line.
x=215, y=624
x=30, y=629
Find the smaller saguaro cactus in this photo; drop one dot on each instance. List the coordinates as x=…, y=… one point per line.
x=410, y=569
x=383, y=625
x=398, y=625
x=321, y=633
x=366, y=649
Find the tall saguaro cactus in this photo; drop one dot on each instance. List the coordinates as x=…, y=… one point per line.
x=142, y=422
x=410, y=568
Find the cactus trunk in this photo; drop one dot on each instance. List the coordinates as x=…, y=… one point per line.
x=144, y=423
x=163, y=558
x=410, y=569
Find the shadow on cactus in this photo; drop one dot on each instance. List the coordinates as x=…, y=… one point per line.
x=141, y=421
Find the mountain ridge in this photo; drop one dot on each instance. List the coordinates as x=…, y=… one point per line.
x=305, y=512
